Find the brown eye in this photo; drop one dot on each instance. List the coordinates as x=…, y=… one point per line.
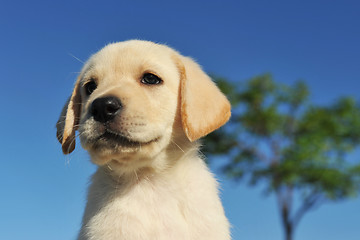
x=90, y=87
x=150, y=79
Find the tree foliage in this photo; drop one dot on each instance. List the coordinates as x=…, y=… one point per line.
x=277, y=137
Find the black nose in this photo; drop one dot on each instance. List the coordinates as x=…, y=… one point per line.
x=105, y=109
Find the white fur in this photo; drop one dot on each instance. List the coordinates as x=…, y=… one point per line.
x=180, y=203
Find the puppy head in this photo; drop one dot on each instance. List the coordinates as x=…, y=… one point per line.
x=133, y=98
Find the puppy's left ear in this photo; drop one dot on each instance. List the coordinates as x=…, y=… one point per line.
x=69, y=121
x=204, y=108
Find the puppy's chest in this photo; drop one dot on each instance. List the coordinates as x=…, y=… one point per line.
x=158, y=210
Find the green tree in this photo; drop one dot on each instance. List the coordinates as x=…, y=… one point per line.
x=276, y=137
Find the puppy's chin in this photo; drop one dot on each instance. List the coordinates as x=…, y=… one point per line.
x=124, y=154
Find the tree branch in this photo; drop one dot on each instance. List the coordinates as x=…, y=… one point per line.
x=258, y=154
x=313, y=200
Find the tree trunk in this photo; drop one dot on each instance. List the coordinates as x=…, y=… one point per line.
x=285, y=203
x=288, y=231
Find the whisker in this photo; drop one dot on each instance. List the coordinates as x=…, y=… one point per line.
x=71, y=143
x=76, y=58
x=118, y=185
x=137, y=177
x=63, y=121
x=177, y=146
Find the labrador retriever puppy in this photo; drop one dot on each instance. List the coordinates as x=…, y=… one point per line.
x=139, y=108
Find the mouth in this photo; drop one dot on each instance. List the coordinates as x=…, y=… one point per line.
x=117, y=138
x=114, y=140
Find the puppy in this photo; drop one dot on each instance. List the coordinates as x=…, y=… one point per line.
x=139, y=108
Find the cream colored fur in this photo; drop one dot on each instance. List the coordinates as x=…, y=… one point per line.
x=157, y=187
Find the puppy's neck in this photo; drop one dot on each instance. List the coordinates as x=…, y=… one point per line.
x=142, y=167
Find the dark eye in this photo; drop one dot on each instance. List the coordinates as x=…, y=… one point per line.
x=90, y=87
x=150, y=79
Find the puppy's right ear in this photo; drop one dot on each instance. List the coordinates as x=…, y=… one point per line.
x=68, y=121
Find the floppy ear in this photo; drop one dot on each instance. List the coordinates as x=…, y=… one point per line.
x=69, y=121
x=204, y=107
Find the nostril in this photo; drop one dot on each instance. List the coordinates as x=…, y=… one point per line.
x=94, y=111
x=105, y=109
x=111, y=107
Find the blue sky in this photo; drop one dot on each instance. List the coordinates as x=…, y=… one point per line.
x=43, y=192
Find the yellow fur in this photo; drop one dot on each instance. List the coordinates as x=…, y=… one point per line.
x=157, y=187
